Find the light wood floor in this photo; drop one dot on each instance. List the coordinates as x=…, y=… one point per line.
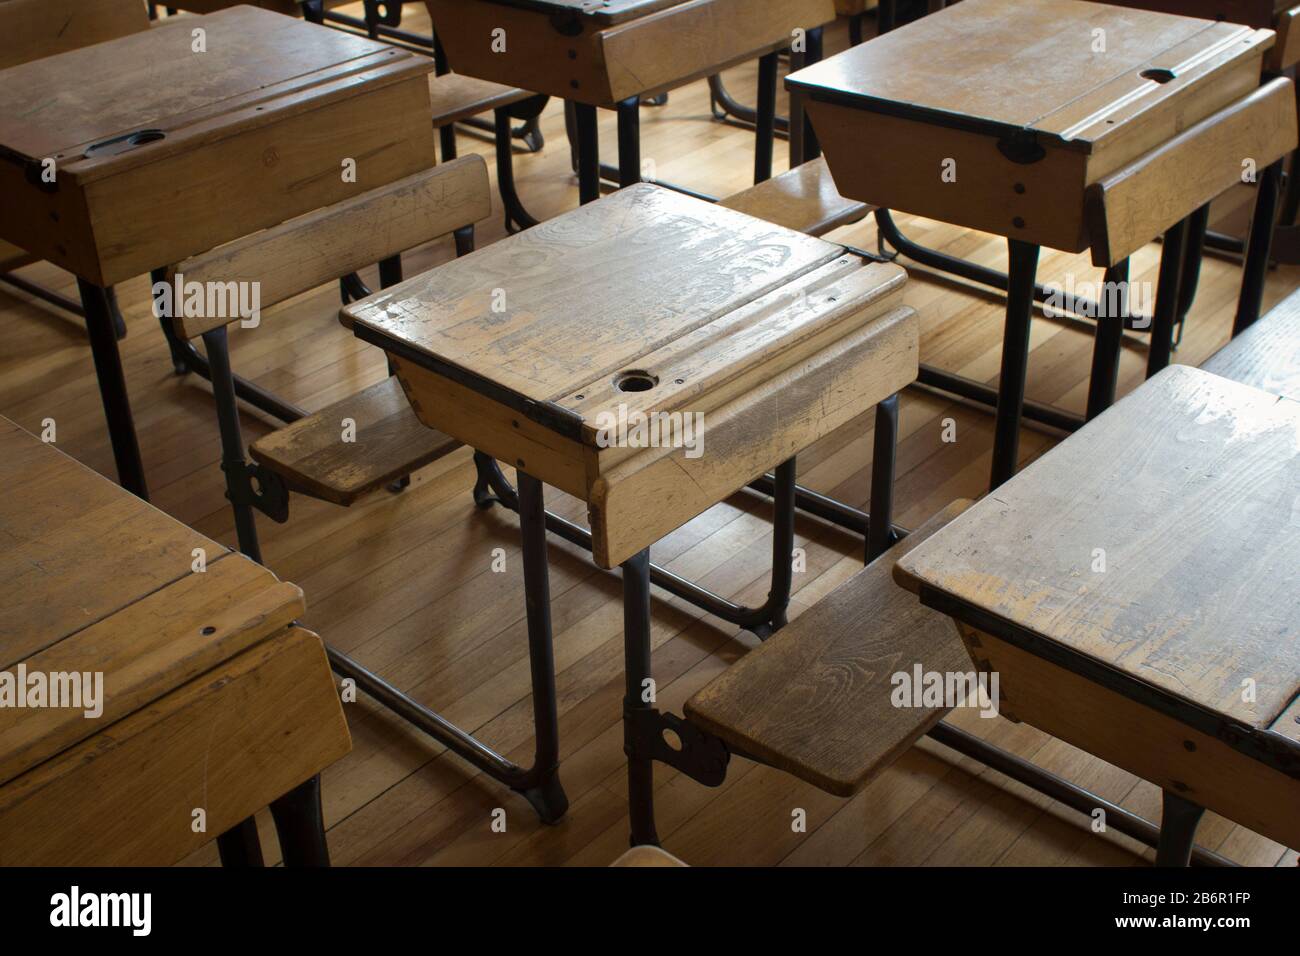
x=404, y=582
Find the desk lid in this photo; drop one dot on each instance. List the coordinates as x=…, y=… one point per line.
x=551, y=321
x=1188, y=490
x=134, y=100
x=1004, y=67
x=95, y=581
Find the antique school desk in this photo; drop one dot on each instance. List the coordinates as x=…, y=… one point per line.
x=651, y=303
x=212, y=698
x=612, y=53
x=160, y=152
x=1008, y=117
x=1138, y=590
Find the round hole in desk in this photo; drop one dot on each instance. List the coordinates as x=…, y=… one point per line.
x=1158, y=74
x=635, y=380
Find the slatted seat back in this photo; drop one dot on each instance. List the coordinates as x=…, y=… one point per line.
x=302, y=253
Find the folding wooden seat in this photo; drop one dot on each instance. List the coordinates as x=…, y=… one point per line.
x=309, y=456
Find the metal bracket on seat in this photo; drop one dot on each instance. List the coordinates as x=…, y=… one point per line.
x=251, y=484
x=702, y=756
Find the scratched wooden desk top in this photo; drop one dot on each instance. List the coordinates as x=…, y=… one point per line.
x=1002, y=66
x=1189, y=490
x=94, y=579
x=257, y=66
x=646, y=279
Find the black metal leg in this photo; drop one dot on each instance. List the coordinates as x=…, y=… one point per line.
x=112, y=387
x=637, y=672
x=887, y=16
x=119, y=324
x=540, y=783
x=300, y=826
x=1108, y=338
x=629, y=142
x=1178, y=824
x=232, y=442
x=1193, y=253
x=464, y=238
x=855, y=28
x=546, y=794
x=1015, y=359
x=811, y=147
x=1255, y=268
x=390, y=274
x=880, y=528
x=390, y=271
x=516, y=214
x=765, y=128
x=491, y=487
x=778, y=595
x=239, y=846
x=584, y=122
x=1173, y=252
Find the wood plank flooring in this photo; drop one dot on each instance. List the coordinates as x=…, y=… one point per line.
x=405, y=582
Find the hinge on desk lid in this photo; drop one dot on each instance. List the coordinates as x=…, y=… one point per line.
x=567, y=23
x=1022, y=147
x=702, y=757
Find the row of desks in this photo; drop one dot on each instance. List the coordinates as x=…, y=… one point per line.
x=253, y=129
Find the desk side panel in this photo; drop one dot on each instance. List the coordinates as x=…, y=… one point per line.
x=228, y=742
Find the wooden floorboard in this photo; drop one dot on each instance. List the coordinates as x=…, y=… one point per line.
x=404, y=582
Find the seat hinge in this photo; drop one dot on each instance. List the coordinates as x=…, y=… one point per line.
x=702, y=756
x=263, y=489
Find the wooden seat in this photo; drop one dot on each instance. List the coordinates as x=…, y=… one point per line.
x=370, y=439
x=814, y=700
x=453, y=97
x=390, y=442
x=803, y=199
x=1267, y=354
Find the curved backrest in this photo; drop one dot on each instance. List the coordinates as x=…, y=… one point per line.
x=302, y=253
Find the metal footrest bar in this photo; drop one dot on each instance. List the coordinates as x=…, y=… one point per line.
x=44, y=294
x=1060, y=789
x=973, y=272
x=736, y=113
x=539, y=785
x=458, y=741
x=974, y=391
x=762, y=621
x=825, y=507
x=186, y=358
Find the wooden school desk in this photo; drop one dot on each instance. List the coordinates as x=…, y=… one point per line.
x=212, y=698
x=1006, y=116
x=1137, y=589
x=161, y=152
x=613, y=53
x=646, y=303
